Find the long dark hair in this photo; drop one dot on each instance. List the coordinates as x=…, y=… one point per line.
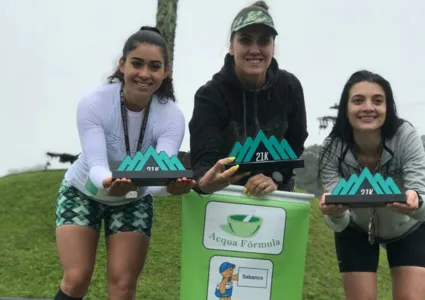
x=342, y=129
x=152, y=36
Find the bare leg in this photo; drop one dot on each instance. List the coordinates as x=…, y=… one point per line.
x=77, y=252
x=408, y=283
x=359, y=285
x=127, y=253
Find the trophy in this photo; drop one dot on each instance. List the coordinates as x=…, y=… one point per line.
x=263, y=154
x=151, y=168
x=365, y=190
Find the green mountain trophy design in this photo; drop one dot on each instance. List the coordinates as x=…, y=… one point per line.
x=264, y=154
x=366, y=190
x=151, y=168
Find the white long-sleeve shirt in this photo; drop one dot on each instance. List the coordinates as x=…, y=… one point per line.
x=101, y=133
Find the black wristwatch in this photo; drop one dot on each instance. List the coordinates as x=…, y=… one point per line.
x=277, y=177
x=420, y=200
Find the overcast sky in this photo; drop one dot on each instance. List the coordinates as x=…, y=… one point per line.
x=54, y=52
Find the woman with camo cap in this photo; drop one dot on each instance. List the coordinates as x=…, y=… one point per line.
x=249, y=93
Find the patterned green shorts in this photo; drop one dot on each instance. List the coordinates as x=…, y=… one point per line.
x=74, y=207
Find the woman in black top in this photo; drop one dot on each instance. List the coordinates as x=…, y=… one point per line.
x=249, y=93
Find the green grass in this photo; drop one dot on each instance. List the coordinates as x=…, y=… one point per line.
x=29, y=265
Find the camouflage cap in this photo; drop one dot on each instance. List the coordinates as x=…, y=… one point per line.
x=253, y=16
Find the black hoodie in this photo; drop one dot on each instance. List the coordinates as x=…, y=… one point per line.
x=224, y=113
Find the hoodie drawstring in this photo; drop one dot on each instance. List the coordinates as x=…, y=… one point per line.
x=257, y=123
x=244, y=113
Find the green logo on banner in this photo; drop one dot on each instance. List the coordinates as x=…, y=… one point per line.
x=242, y=225
x=378, y=184
x=162, y=160
x=277, y=150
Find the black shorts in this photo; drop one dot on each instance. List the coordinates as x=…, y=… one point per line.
x=356, y=254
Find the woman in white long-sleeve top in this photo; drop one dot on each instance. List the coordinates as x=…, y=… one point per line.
x=135, y=110
x=369, y=134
